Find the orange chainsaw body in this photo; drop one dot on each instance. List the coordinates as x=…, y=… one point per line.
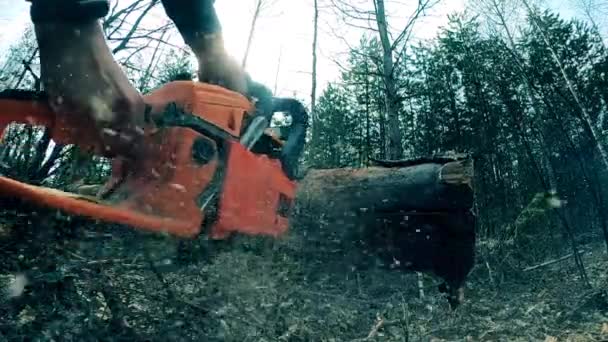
x=186, y=180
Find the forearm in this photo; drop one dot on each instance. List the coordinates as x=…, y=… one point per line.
x=198, y=23
x=87, y=88
x=195, y=20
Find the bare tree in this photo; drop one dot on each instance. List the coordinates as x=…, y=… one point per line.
x=276, y=75
x=313, y=91
x=260, y=7
x=391, y=100
x=135, y=36
x=593, y=11
x=13, y=72
x=393, y=49
x=145, y=78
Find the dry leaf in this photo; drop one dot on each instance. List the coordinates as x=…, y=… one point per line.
x=604, y=330
x=551, y=339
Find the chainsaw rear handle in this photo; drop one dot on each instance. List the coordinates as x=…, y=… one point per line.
x=294, y=146
x=266, y=106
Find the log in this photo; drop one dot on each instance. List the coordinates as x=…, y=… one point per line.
x=414, y=218
x=424, y=187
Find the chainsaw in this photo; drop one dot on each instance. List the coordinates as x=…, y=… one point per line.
x=215, y=164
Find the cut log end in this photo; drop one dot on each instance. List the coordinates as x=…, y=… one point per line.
x=457, y=173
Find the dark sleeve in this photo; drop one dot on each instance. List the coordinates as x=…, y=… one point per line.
x=192, y=17
x=257, y=90
x=76, y=11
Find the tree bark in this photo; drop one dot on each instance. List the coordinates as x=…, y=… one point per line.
x=254, y=19
x=316, y=125
x=429, y=186
x=276, y=74
x=313, y=91
x=395, y=148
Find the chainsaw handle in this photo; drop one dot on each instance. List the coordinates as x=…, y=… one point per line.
x=266, y=106
x=294, y=146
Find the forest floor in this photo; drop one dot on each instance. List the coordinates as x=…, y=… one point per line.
x=255, y=289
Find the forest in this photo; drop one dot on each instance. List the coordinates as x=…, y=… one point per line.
x=514, y=84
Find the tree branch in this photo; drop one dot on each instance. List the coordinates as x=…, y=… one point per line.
x=131, y=32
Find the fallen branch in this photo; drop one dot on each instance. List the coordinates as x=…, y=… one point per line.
x=420, y=285
x=380, y=323
x=554, y=261
x=416, y=161
x=375, y=328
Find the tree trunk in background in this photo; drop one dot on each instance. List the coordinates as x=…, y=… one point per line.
x=256, y=14
x=276, y=75
x=315, y=130
x=391, y=100
x=368, y=143
x=313, y=91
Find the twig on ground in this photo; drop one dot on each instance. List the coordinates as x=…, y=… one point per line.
x=554, y=261
x=375, y=328
x=490, y=274
x=159, y=276
x=405, y=320
x=420, y=285
x=380, y=323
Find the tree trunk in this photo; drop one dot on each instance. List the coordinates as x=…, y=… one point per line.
x=368, y=143
x=395, y=147
x=313, y=91
x=256, y=14
x=316, y=125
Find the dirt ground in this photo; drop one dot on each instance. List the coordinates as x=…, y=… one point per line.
x=90, y=283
